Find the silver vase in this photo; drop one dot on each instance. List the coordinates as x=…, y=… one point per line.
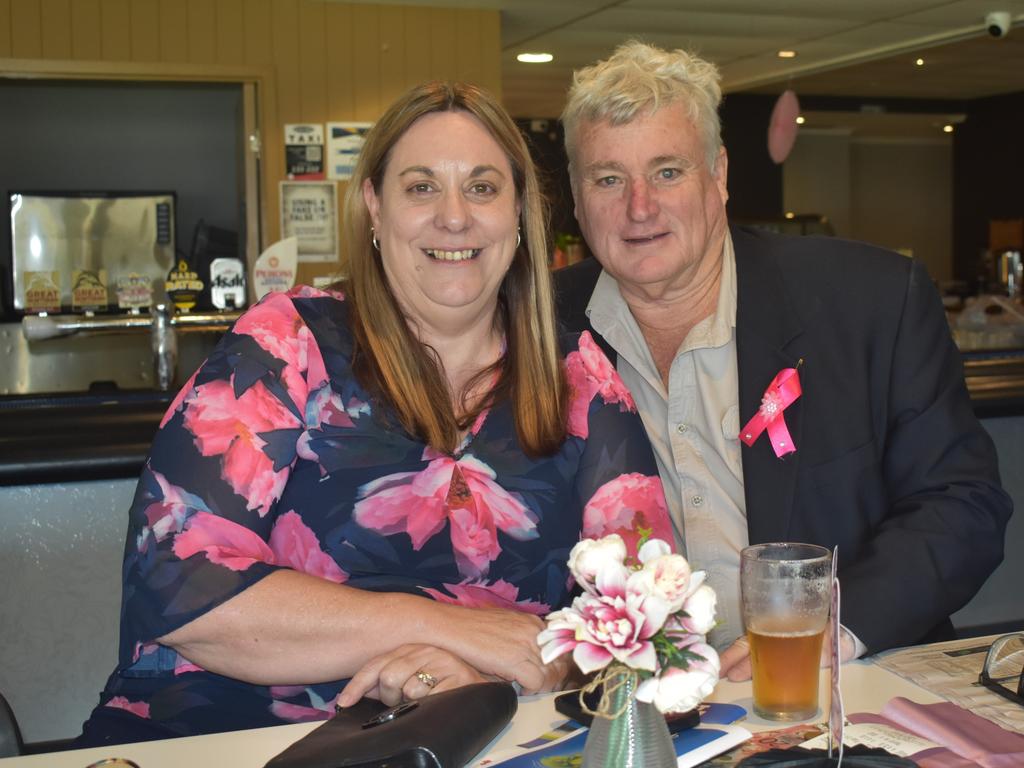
x=636, y=738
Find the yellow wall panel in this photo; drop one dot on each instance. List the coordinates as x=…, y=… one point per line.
x=230, y=44
x=490, y=52
x=467, y=51
x=26, y=29
x=5, y=28
x=202, y=32
x=340, y=89
x=86, y=34
x=116, y=30
x=417, y=46
x=285, y=29
x=312, y=62
x=173, y=30
x=55, y=17
x=443, y=43
x=365, y=62
x=392, y=54
x=145, y=24
x=257, y=39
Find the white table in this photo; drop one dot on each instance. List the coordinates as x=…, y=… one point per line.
x=866, y=688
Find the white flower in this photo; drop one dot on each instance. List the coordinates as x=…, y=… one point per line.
x=679, y=690
x=664, y=574
x=591, y=556
x=700, y=611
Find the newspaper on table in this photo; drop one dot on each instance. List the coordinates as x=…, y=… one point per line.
x=951, y=670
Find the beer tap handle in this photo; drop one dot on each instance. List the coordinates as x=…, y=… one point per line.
x=164, y=343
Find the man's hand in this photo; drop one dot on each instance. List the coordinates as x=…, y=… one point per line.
x=736, y=658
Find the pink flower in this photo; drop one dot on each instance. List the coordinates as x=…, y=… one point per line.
x=498, y=594
x=168, y=514
x=183, y=665
x=630, y=505
x=277, y=327
x=680, y=690
x=700, y=611
x=590, y=372
x=137, y=708
x=298, y=713
x=292, y=544
x=463, y=493
x=591, y=556
x=186, y=391
x=664, y=574
x=615, y=625
x=296, y=546
x=229, y=427
x=225, y=543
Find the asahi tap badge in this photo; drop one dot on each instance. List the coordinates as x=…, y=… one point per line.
x=227, y=283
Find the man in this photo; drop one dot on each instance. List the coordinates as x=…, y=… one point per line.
x=890, y=464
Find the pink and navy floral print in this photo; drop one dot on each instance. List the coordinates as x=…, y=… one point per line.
x=273, y=456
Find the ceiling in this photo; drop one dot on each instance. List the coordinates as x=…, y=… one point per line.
x=861, y=48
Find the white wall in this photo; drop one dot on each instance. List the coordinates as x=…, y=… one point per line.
x=897, y=193
x=61, y=548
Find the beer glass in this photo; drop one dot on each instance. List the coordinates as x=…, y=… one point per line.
x=786, y=590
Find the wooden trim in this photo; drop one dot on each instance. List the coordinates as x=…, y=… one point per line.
x=133, y=70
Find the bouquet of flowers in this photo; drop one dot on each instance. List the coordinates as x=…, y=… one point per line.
x=646, y=616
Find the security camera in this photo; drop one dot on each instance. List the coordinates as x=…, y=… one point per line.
x=998, y=23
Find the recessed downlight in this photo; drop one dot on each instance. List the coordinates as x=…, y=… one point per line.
x=786, y=54
x=535, y=58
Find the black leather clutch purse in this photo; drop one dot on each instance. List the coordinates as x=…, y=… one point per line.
x=443, y=730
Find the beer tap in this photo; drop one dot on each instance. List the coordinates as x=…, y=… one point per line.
x=164, y=343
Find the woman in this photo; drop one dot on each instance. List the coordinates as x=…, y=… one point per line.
x=379, y=484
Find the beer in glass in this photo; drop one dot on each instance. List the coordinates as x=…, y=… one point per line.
x=786, y=590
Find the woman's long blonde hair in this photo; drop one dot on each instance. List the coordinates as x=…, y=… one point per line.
x=391, y=363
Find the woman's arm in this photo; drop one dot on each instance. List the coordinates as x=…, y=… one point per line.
x=292, y=628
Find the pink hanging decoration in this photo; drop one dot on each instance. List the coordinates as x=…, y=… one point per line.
x=782, y=128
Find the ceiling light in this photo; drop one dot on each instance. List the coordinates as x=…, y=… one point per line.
x=800, y=120
x=535, y=58
x=919, y=62
x=787, y=54
x=947, y=128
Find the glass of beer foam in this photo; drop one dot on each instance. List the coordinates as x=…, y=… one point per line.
x=786, y=590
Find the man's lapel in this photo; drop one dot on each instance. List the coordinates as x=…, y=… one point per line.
x=766, y=324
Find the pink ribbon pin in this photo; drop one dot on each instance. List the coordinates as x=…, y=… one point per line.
x=781, y=393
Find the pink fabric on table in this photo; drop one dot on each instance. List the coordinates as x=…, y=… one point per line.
x=968, y=735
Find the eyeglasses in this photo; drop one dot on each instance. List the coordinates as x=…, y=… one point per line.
x=1003, y=672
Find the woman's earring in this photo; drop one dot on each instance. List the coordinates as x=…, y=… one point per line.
x=519, y=236
x=373, y=240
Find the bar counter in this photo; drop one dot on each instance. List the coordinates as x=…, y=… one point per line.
x=94, y=436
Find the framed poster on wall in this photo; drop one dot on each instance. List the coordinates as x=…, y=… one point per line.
x=344, y=142
x=309, y=212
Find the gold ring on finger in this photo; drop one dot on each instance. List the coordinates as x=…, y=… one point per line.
x=426, y=678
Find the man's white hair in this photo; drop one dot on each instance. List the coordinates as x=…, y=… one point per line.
x=641, y=78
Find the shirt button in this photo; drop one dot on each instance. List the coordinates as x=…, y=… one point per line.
x=681, y=428
x=697, y=500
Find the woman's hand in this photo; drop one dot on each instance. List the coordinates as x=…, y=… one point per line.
x=408, y=672
x=503, y=643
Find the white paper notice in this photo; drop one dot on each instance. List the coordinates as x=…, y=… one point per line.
x=344, y=142
x=876, y=735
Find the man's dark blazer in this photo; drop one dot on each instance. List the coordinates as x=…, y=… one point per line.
x=891, y=464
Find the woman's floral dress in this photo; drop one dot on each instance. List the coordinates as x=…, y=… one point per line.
x=272, y=456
